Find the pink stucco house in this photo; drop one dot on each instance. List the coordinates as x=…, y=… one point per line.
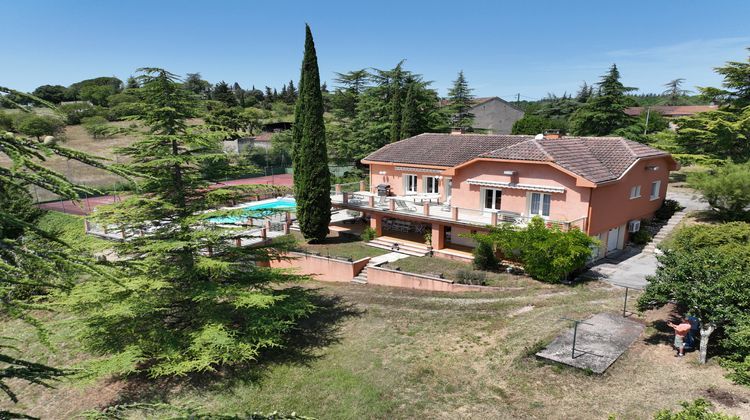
x=449, y=185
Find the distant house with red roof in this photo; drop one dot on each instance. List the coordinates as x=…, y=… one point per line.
x=669, y=111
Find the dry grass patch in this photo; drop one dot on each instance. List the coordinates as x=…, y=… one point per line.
x=414, y=354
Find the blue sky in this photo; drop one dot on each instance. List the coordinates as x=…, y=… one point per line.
x=504, y=48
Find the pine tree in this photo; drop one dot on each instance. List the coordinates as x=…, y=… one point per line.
x=312, y=183
x=291, y=93
x=604, y=112
x=461, y=102
x=584, y=93
x=132, y=83
x=223, y=93
x=32, y=260
x=239, y=94
x=396, y=106
x=192, y=300
x=411, y=123
x=349, y=86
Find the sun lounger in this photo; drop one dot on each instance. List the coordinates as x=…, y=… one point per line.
x=401, y=205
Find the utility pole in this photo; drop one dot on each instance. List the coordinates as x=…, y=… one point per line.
x=648, y=114
x=518, y=98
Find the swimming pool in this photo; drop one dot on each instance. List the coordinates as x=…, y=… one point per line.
x=257, y=210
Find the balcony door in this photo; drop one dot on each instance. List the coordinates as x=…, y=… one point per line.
x=491, y=199
x=410, y=184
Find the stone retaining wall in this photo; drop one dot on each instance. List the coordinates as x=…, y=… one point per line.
x=322, y=268
x=395, y=278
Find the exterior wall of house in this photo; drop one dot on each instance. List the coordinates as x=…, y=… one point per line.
x=394, y=176
x=496, y=115
x=569, y=205
x=611, y=205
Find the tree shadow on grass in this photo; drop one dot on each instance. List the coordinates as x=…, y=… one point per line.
x=664, y=333
x=319, y=330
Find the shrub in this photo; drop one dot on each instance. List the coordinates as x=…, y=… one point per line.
x=6, y=121
x=668, y=208
x=698, y=409
x=549, y=254
x=687, y=159
x=737, y=346
x=369, y=234
x=726, y=189
x=484, y=256
x=692, y=238
x=477, y=278
x=38, y=125
x=96, y=126
x=121, y=111
x=534, y=124
x=75, y=112
x=642, y=237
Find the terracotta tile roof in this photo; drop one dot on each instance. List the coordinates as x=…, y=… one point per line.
x=442, y=149
x=672, y=111
x=598, y=159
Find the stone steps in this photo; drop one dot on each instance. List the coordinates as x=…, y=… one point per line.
x=664, y=231
x=361, y=278
x=403, y=248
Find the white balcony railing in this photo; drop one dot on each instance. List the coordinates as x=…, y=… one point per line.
x=414, y=206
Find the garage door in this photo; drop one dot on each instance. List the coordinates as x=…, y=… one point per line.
x=612, y=237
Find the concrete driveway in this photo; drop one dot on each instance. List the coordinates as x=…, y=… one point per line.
x=631, y=267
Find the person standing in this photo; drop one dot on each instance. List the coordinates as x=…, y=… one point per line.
x=681, y=331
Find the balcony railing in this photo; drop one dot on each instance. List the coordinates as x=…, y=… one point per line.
x=414, y=206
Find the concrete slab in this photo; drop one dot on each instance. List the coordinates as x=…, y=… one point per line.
x=600, y=340
x=387, y=258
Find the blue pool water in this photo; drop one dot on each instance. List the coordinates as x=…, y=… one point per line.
x=257, y=211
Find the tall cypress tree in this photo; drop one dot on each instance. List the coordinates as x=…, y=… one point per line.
x=312, y=180
x=411, y=123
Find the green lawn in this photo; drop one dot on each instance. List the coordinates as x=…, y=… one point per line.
x=449, y=269
x=343, y=246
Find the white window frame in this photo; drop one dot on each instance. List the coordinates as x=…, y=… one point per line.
x=406, y=184
x=483, y=196
x=655, y=188
x=426, y=184
x=529, y=198
x=635, y=192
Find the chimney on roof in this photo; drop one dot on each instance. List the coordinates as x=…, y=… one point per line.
x=457, y=130
x=552, y=134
